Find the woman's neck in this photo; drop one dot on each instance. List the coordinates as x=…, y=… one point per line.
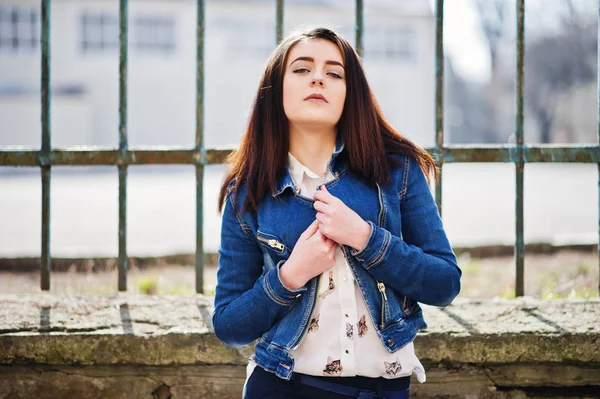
x=312, y=148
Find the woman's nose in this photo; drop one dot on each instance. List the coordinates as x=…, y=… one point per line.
x=317, y=82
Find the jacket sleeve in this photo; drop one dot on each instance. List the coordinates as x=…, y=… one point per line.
x=421, y=263
x=248, y=298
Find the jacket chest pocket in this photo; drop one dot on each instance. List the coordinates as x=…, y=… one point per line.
x=275, y=247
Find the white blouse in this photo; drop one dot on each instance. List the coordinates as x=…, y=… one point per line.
x=341, y=339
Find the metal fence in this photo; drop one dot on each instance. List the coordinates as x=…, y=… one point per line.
x=46, y=157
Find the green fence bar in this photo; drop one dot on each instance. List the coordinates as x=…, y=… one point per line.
x=548, y=153
x=200, y=150
x=123, y=52
x=359, y=27
x=520, y=162
x=279, y=21
x=43, y=155
x=598, y=103
x=162, y=156
x=46, y=157
x=439, y=98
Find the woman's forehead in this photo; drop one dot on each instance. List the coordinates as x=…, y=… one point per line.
x=318, y=49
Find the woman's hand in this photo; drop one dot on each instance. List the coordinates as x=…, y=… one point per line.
x=338, y=222
x=312, y=255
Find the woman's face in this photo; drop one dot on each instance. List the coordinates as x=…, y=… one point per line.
x=314, y=83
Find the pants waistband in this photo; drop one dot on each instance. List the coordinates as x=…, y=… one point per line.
x=400, y=390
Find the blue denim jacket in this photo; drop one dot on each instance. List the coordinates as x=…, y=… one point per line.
x=407, y=259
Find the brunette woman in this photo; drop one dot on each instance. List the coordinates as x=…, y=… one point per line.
x=330, y=235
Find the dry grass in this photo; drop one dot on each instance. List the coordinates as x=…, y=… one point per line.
x=564, y=274
x=560, y=275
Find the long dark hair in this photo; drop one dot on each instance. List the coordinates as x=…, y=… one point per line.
x=368, y=137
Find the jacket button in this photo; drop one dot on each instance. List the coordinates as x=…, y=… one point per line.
x=390, y=342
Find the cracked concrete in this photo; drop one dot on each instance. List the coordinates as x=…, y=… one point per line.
x=152, y=347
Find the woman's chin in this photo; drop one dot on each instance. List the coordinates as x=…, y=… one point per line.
x=320, y=121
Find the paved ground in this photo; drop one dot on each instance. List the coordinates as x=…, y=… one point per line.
x=561, y=205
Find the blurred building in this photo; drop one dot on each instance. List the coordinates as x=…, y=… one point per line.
x=399, y=60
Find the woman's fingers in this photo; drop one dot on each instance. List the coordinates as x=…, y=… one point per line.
x=331, y=245
x=321, y=217
x=310, y=230
x=320, y=206
x=323, y=195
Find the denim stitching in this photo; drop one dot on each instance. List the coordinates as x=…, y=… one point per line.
x=378, y=254
x=384, y=247
x=368, y=239
x=405, y=178
x=281, y=190
x=309, y=202
x=374, y=260
x=339, y=173
x=360, y=252
x=278, y=300
x=245, y=228
x=387, y=246
x=271, y=293
x=332, y=182
x=269, y=290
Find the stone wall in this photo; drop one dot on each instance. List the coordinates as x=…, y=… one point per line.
x=163, y=347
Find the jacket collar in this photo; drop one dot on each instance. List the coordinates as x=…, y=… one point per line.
x=286, y=180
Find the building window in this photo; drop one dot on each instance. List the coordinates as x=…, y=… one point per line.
x=398, y=43
x=100, y=32
x=153, y=34
x=19, y=29
x=244, y=38
x=391, y=43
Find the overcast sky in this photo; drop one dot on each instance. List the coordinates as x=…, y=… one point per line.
x=463, y=40
x=467, y=47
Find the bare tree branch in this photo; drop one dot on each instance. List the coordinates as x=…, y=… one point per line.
x=492, y=15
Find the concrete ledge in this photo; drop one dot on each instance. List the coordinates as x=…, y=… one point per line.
x=99, y=330
x=131, y=346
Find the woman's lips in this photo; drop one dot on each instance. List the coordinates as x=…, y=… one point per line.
x=316, y=97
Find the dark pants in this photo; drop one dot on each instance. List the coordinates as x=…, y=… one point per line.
x=265, y=385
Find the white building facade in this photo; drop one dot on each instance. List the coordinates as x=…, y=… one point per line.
x=399, y=60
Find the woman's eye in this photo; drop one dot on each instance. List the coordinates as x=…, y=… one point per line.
x=300, y=70
x=335, y=75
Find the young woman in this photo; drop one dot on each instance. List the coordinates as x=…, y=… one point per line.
x=330, y=235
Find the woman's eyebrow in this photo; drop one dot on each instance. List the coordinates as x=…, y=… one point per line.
x=310, y=59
